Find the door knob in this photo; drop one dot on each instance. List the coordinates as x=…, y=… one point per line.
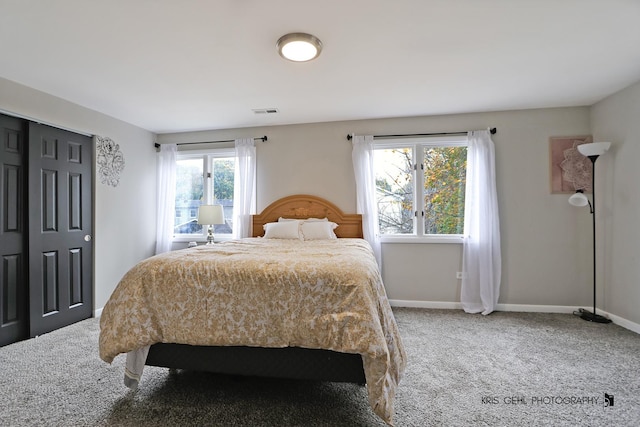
x=87, y=237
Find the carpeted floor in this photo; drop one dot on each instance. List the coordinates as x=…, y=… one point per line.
x=506, y=369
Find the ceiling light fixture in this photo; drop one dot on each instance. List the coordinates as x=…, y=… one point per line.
x=299, y=47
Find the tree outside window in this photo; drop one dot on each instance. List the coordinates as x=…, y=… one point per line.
x=445, y=172
x=430, y=176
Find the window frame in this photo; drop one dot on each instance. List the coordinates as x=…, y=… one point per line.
x=207, y=157
x=417, y=144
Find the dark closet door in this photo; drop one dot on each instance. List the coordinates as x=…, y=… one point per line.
x=60, y=228
x=14, y=320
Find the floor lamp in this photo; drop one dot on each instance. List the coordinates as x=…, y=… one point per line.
x=592, y=151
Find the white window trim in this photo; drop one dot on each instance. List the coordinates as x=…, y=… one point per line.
x=418, y=179
x=207, y=156
x=431, y=238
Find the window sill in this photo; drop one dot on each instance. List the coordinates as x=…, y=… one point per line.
x=200, y=239
x=450, y=239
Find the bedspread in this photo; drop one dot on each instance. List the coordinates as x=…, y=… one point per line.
x=324, y=294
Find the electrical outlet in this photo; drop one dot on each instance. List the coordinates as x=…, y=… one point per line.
x=459, y=275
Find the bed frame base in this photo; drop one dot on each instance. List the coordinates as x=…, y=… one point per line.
x=288, y=362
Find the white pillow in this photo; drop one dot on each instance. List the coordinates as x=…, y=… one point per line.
x=282, y=230
x=318, y=230
x=282, y=219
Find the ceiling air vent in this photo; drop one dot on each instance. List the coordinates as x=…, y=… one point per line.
x=265, y=110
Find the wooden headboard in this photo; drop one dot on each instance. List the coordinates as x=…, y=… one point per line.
x=302, y=206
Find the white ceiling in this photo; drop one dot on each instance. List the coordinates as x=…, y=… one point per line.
x=180, y=65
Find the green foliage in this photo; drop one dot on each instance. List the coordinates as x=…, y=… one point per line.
x=190, y=182
x=444, y=189
x=223, y=170
x=443, y=194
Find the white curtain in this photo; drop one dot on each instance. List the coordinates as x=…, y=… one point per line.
x=362, y=157
x=244, y=191
x=166, y=196
x=481, y=258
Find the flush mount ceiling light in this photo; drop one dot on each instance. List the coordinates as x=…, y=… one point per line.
x=299, y=47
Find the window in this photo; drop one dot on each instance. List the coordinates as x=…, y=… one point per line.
x=201, y=179
x=420, y=187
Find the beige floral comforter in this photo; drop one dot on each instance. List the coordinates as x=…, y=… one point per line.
x=262, y=292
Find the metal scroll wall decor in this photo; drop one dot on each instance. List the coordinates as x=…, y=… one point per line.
x=110, y=161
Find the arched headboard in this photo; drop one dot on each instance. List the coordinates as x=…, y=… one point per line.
x=302, y=206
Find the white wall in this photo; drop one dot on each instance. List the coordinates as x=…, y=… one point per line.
x=124, y=216
x=617, y=119
x=546, y=258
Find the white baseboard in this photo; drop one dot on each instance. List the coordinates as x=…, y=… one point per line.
x=527, y=308
x=425, y=304
x=632, y=326
x=627, y=324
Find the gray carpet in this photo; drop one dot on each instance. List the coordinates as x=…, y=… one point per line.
x=506, y=369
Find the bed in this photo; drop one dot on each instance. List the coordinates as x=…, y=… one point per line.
x=312, y=307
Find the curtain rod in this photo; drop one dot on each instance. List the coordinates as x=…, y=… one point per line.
x=261, y=138
x=409, y=135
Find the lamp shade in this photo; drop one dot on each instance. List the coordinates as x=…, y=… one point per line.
x=578, y=199
x=210, y=214
x=594, y=148
x=299, y=47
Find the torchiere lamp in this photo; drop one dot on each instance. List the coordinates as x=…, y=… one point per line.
x=210, y=215
x=592, y=151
